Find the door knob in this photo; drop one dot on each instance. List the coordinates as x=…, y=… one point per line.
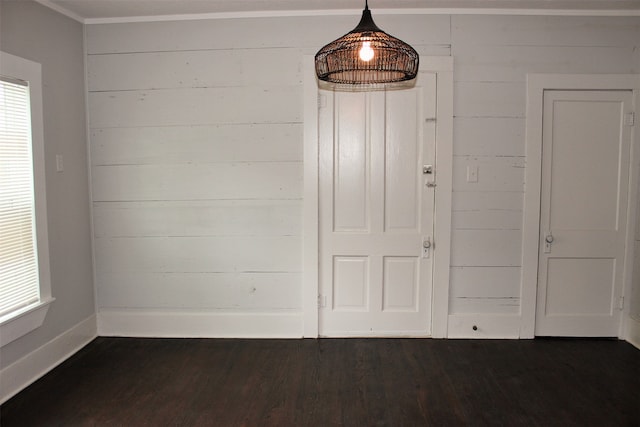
x=426, y=245
x=548, y=240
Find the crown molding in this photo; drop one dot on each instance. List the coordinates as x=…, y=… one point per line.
x=379, y=12
x=344, y=12
x=62, y=10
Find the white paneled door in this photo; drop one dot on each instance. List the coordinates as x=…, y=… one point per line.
x=377, y=174
x=585, y=179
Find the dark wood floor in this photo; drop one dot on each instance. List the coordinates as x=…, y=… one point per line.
x=351, y=382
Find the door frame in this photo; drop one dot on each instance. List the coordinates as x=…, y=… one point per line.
x=536, y=85
x=442, y=67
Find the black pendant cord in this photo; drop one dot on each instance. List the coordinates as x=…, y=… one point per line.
x=366, y=23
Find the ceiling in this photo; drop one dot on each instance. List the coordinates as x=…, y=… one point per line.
x=88, y=10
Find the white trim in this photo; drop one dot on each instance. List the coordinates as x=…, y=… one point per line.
x=633, y=332
x=94, y=273
x=225, y=15
x=378, y=334
x=536, y=85
x=36, y=364
x=442, y=66
x=66, y=12
x=310, y=202
x=183, y=324
x=24, y=321
x=33, y=317
x=531, y=214
x=352, y=12
x=626, y=325
x=488, y=326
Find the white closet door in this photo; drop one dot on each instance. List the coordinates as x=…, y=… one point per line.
x=585, y=178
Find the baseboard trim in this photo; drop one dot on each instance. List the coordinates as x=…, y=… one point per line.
x=199, y=325
x=633, y=332
x=488, y=326
x=25, y=371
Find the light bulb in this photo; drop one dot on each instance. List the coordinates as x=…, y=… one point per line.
x=366, y=52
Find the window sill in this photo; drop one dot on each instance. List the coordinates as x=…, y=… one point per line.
x=24, y=321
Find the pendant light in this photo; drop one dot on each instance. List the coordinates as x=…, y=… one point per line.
x=366, y=56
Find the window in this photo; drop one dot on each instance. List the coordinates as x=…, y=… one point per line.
x=25, y=291
x=19, y=281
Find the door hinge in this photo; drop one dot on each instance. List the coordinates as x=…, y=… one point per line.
x=322, y=101
x=630, y=119
x=621, y=303
x=322, y=301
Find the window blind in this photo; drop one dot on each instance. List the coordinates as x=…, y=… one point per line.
x=19, y=281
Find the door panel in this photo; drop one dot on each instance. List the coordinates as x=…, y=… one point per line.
x=585, y=163
x=402, y=154
x=400, y=285
x=351, y=178
x=580, y=286
x=350, y=283
x=585, y=174
x=376, y=211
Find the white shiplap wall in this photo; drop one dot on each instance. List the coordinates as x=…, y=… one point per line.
x=196, y=152
x=196, y=157
x=493, y=55
x=197, y=178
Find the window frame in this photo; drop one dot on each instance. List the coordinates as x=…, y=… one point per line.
x=26, y=319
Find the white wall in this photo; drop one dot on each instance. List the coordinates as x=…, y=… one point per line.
x=635, y=295
x=34, y=32
x=633, y=323
x=196, y=139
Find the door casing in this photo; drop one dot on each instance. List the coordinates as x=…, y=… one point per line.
x=443, y=68
x=536, y=85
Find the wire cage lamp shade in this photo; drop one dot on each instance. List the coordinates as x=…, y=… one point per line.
x=366, y=56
